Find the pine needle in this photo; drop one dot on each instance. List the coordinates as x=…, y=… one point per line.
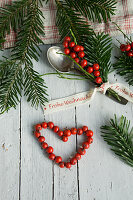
x=119, y=136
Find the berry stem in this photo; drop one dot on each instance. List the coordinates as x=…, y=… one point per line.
x=125, y=36
x=73, y=36
x=81, y=69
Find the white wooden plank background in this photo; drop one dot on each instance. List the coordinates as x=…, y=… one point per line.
x=27, y=174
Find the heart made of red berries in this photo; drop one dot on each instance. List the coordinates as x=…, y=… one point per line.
x=64, y=135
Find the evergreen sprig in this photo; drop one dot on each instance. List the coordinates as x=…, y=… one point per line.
x=119, y=136
x=98, y=49
x=124, y=67
x=16, y=73
x=67, y=18
x=11, y=17
x=98, y=10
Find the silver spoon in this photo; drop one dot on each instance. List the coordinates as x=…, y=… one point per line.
x=63, y=64
x=59, y=62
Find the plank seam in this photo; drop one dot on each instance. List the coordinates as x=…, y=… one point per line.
x=77, y=161
x=20, y=156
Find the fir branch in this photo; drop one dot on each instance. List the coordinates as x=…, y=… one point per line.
x=94, y=10
x=68, y=19
x=11, y=17
x=98, y=50
x=34, y=87
x=10, y=84
x=124, y=67
x=120, y=138
x=12, y=75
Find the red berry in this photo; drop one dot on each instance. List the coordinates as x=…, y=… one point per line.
x=130, y=53
x=98, y=80
x=71, y=44
x=65, y=44
x=89, y=133
x=44, y=125
x=50, y=149
x=73, y=55
x=37, y=134
x=81, y=54
x=90, y=140
x=56, y=129
x=60, y=133
x=86, y=145
x=51, y=156
x=78, y=156
x=83, y=63
x=85, y=128
x=79, y=131
x=81, y=48
x=127, y=47
x=38, y=127
x=73, y=131
x=66, y=51
x=67, y=133
x=68, y=165
x=76, y=60
x=77, y=48
x=96, y=66
x=122, y=47
x=62, y=165
x=67, y=38
x=65, y=139
x=96, y=73
x=50, y=125
x=44, y=145
x=41, y=139
x=131, y=44
x=58, y=159
x=89, y=70
x=73, y=161
x=82, y=151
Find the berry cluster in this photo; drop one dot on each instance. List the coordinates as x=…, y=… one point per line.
x=127, y=48
x=64, y=134
x=77, y=53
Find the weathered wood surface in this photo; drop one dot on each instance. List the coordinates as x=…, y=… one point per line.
x=27, y=174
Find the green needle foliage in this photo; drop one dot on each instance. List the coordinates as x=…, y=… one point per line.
x=25, y=18
x=17, y=73
x=94, y=10
x=98, y=50
x=124, y=67
x=11, y=17
x=120, y=138
x=68, y=19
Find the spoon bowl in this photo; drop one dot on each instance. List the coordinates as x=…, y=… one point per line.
x=59, y=62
